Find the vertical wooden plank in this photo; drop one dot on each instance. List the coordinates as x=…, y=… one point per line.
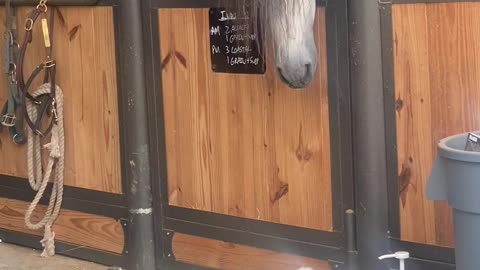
x=242, y=145
x=413, y=112
x=107, y=131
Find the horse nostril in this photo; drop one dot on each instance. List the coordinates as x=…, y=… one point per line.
x=308, y=69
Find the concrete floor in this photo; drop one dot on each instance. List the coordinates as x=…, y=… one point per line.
x=20, y=258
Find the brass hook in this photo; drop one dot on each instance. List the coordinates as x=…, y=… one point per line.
x=43, y=4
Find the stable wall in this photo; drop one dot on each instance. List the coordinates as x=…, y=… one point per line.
x=84, y=47
x=437, y=76
x=243, y=145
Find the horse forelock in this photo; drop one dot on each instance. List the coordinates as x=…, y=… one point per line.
x=286, y=17
x=287, y=13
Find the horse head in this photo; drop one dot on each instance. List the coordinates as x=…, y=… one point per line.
x=291, y=24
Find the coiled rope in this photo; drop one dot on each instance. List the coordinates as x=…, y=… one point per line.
x=39, y=182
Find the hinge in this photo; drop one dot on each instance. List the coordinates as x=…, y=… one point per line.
x=124, y=223
x=168, y=245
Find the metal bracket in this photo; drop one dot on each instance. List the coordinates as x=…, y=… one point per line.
x=168, y=245
x=124, y=223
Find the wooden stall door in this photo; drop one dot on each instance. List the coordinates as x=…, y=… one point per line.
x=243, y=145
x=437, y=81
x=84, y=47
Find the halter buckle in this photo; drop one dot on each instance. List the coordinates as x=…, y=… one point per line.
x=10, y=38
x=9, y=120
x=13, y=73
x=28, y=25
x=38, y=132
x=54, y=110
x=49, y=64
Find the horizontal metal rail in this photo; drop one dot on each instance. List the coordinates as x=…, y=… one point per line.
x=52, y=2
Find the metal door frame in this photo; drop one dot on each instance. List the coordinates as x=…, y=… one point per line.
x=427, y=255
x=330, y=246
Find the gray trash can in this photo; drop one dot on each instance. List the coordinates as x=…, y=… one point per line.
x=455, y=177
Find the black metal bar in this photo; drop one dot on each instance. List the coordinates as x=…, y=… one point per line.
x=53, y=2
x=333, y=239
x=122, y=98
x=66, y=249
x=84, y=206
x=157, y=134
x=369, y=134
x=351, y=240
x=70, y=192
x=390, y=120
x=322, y=252
x=339, y=110
x=77, y=199
x=350, y=231
x=141, y=248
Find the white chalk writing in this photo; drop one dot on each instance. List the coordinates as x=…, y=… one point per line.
x=233, y=61
x=215, y=49
x=215, y=31
x=231, y=16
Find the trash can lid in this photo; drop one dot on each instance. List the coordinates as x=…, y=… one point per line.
x=453, y=147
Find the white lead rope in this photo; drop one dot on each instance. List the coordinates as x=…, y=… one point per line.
x=39, y=182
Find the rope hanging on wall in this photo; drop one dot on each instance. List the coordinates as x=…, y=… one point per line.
x=46, y=101
x=55, y=165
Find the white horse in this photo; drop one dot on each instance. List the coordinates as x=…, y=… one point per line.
x=291, y=25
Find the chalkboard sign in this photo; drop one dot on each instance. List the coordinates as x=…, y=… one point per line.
x=234, y=48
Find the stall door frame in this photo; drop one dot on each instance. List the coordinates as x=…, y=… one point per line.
x=101, y=203
x=423, y=256
x=329, y=246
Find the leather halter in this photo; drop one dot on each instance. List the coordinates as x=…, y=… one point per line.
x=12, y=112
x=47, y=101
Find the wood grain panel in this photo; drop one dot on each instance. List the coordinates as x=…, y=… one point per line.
x=437, y=74
x=72, y=227
x=84, y=48
x=221, y=255
x=243, y=145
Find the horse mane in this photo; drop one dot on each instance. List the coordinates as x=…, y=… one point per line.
x=264, y=14
x=260, y=11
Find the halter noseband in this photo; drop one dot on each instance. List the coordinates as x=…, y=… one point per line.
x=46, y=101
